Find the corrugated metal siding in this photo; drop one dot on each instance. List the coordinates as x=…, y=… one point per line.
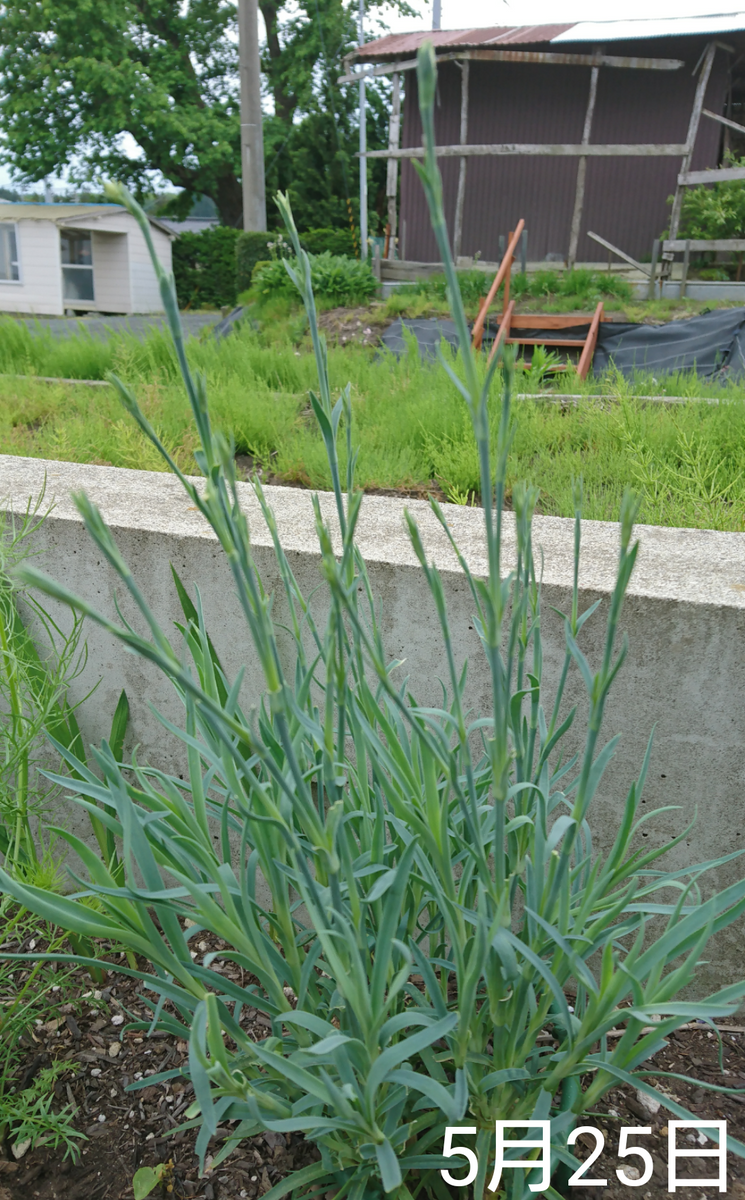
x=625, y=198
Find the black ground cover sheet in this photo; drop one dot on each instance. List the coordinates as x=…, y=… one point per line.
x=712, y=344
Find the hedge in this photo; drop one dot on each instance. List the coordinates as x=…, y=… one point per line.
x=204, y=267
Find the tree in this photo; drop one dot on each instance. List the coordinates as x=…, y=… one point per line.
x=716, y=212
x=78, y=74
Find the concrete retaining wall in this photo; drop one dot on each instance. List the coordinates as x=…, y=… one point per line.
x=685, y=618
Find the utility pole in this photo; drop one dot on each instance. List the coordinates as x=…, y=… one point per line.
x=252, y=138
x=363, y=145
x=436, y=14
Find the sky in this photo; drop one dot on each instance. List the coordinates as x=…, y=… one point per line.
x=466, y=14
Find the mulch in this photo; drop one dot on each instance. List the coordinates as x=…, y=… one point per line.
x=126, y=1130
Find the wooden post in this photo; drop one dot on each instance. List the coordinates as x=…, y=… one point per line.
x=579, y=195
x=686, y=262
x=461, y=198
x=524, y=252
x=391, y=181
x=685, y=166
x=653, y=268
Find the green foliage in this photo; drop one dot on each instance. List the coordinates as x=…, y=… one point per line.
x=146, y=1179
x=168, y=75
x=558, y=291
x=715, y=211
x=336, y=279
x=410, y=426
x=432, y=889
x=32, y=1114
x=35, y=675
x=204, y=267
x=251, y=247
x=341, y=242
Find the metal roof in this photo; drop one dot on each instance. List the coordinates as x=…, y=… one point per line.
x=21, y=211
x=396, y=45
x=59, y=213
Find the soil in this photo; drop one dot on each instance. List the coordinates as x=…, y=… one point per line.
x=359, y=326
x=126, y=1130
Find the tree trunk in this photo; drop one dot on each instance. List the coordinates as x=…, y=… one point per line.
x=228, y=197
x=285, y=101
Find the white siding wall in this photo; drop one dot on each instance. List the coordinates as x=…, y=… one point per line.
x=124, y=278
x=144, y=293
x=111, y=272
x=40, y=287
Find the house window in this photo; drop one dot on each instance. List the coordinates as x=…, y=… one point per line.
x=8, y=254
x=77, y=265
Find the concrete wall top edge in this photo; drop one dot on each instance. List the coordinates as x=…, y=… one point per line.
x=680, y=565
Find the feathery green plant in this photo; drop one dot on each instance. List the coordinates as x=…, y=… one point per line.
x=413, y=892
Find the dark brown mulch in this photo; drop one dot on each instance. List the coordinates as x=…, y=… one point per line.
x=129, y=1130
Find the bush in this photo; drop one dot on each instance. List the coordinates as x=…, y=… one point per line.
x=433, y=888
x=332, y=241
x=251, y=247
x=204, y=267
x=336, y=279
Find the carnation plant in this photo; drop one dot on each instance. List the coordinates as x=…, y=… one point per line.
x=443, y=944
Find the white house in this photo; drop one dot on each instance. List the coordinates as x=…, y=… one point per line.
x=79, y=257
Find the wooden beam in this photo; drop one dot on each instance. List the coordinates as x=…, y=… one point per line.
x=693, y=124
x=620, y=253
x=540, y=149
x=628, y=62
x=585, y=360
x=724, y=121
x=553, y=320
x=477, y=332
x=737, y=245
x=579, y=194
x=715, y=175
x=391, y=181
x=461, y=196
x=504, y=328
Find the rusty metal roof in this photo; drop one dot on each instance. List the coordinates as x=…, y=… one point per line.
x=398, y=45
x=394, y=45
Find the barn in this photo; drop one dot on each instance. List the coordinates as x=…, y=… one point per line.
x=80, y=257
x=577, y=128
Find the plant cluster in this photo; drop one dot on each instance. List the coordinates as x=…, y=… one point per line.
x=336, y=279
x=714, y=212
x=413, y=890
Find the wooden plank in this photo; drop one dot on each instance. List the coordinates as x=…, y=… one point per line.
x=504, y=328
x=686, y=264
x=550, y=58
x=653, y=268
x=553, y=320
x=716, y=175
x=551, y=150
x=579, y=194
x=521, y=341
x=585, y=360
x=720, y=244
x=620, y=253
x=724, y=121
x=391, y=181
x=693, y=124
x=478, y=329
x=461, y=195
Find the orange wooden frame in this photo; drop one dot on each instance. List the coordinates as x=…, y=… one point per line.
x=553, y=323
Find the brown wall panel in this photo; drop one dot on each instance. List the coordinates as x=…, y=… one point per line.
x=625, y=198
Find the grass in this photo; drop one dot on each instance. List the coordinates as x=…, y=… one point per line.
x=687, y=460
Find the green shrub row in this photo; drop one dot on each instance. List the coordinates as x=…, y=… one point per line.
x=213, y=267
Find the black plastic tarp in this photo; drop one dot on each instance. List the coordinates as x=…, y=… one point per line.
x=713, y=344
